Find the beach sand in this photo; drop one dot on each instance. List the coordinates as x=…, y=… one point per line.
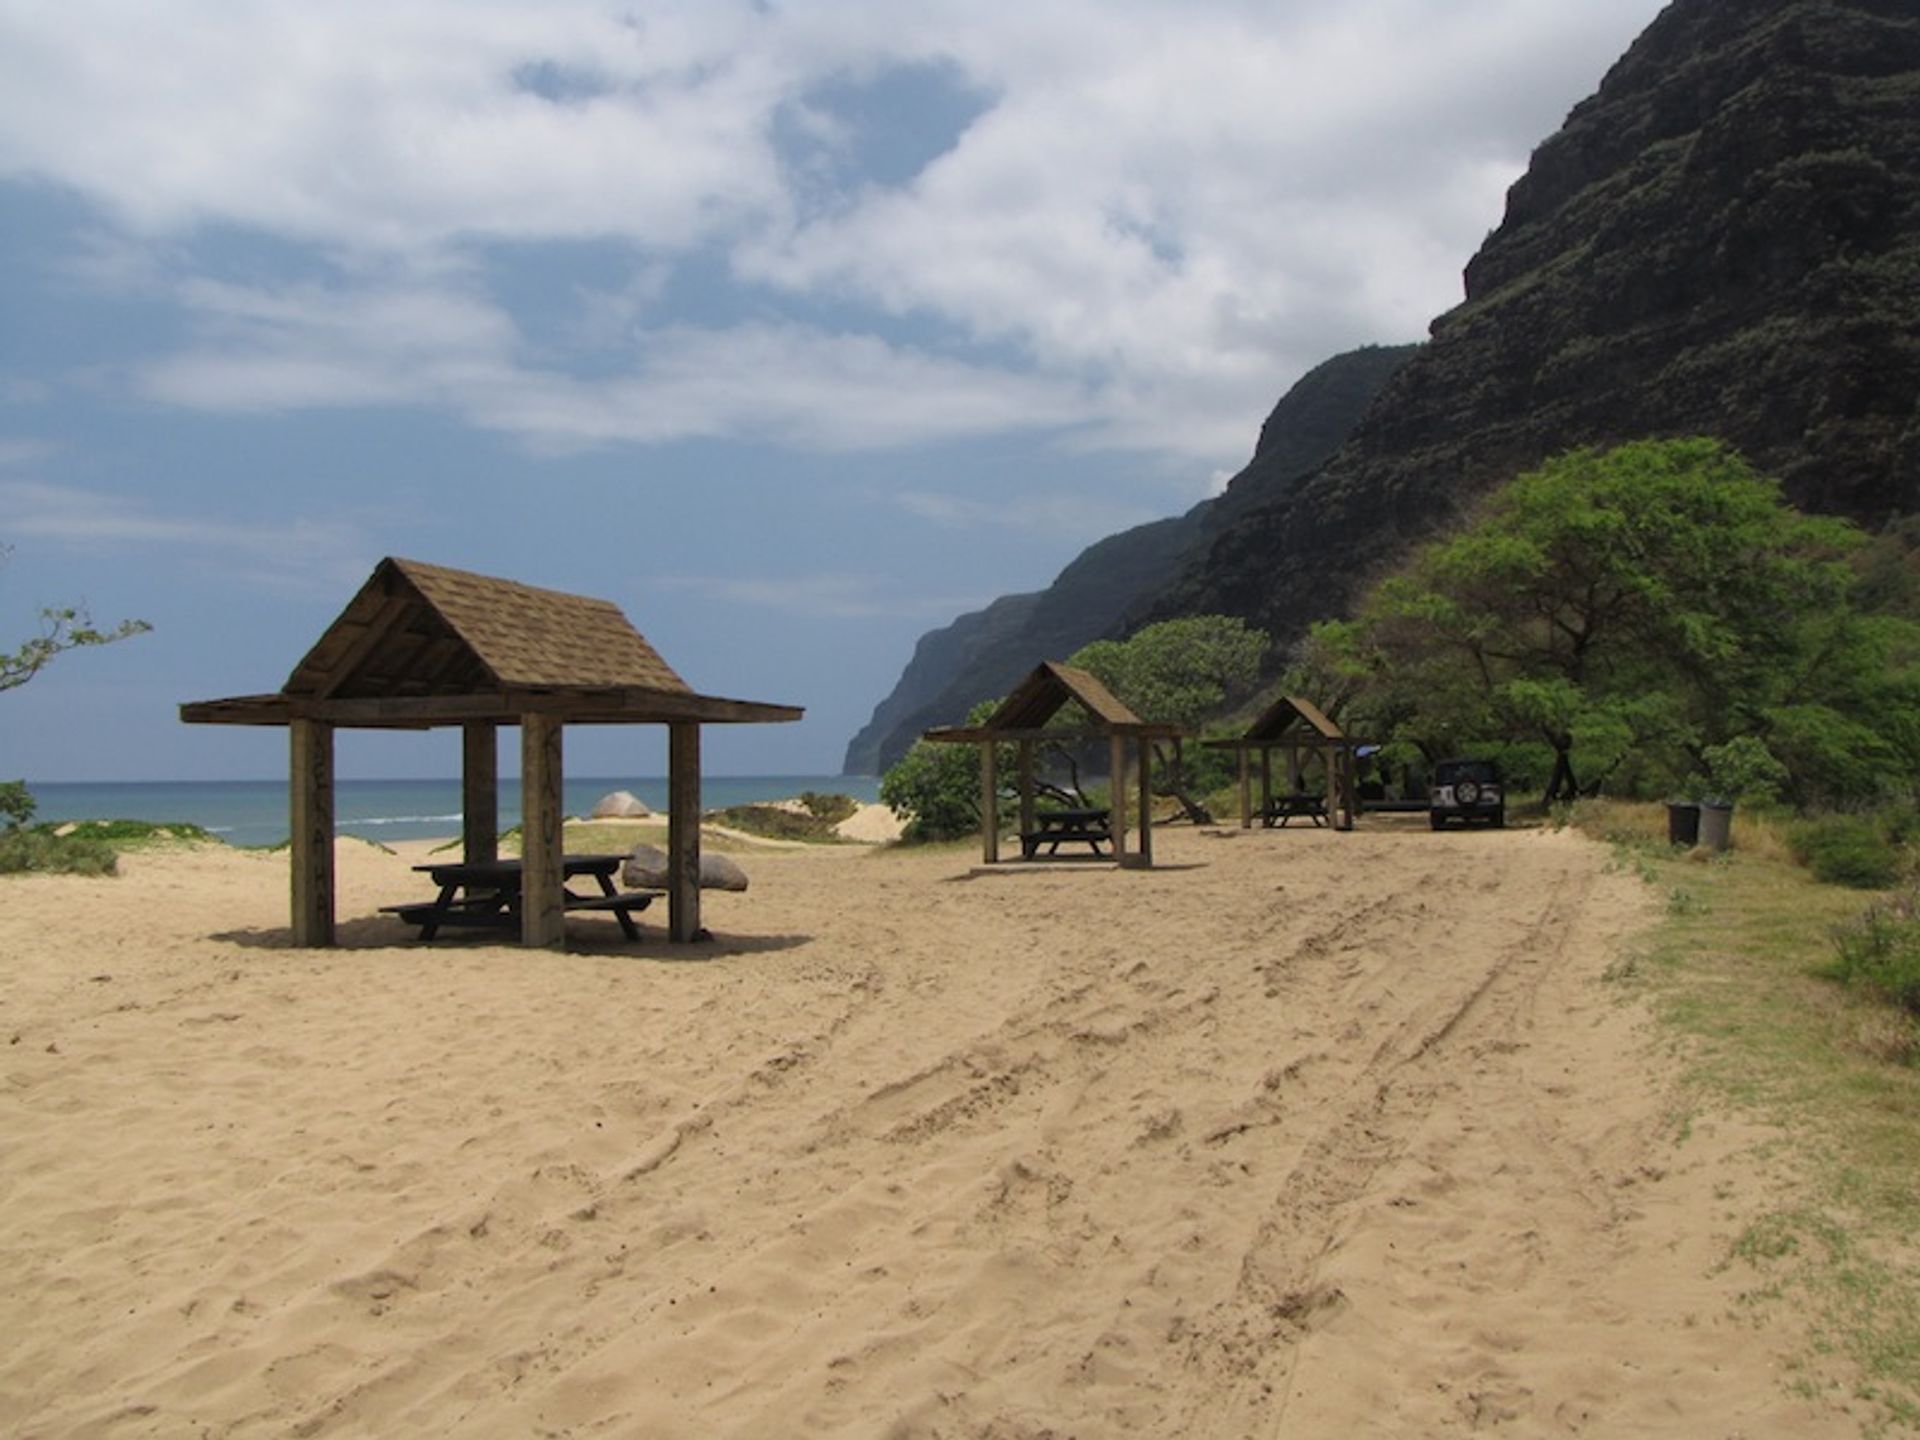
x=1301, y=1134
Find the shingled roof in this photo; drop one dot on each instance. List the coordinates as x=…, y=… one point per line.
x=417, y=629
x=425, y=644
x=1046, y=690
x=1287, y=712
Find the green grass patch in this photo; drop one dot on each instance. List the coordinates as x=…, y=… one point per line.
x=1742, y=962
x=125, y=834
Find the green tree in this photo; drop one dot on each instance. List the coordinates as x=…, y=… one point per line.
x=1179, y=672
x=61, y=629
x=935, y=788
x=1633, y=611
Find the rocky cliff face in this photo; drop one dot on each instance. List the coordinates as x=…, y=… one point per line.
x=1724, y=240
x=982, y=654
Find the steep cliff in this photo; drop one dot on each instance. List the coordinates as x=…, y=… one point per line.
x=983, y=653
x=1725, y=239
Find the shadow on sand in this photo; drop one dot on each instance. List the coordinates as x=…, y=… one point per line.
x=382, y=932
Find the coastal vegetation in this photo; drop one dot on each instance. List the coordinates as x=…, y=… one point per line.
x=812, y=817
x=77, y=847
x=1649, y=619
x=935, y=789
x=26, y=850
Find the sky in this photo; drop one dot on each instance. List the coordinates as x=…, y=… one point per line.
x=795, y=329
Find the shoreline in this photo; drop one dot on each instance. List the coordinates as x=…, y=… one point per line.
x=250, y=814
x=871, y=824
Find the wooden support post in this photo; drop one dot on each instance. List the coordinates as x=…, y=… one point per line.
x=543, y=916
x=683, y=833
x=1246, y=791
x=989, y=804
x=1117, y=786
x=1026, y=787
x=1349, y=787
x=1330, y=776
x=1143, y=857
x=1266, y=778
x=480, y=792
x=311, y=812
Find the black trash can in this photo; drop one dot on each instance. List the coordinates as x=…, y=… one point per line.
x=1683, y=822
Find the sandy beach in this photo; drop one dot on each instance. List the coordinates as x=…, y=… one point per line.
x=1300, y=1135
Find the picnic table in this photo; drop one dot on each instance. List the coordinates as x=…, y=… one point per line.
x=487, y=894
x=1282, y=808
x=1054, y=828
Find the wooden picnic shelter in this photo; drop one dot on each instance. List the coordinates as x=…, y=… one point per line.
x=1021, y=721
x=422, y=647
x=1298, y=727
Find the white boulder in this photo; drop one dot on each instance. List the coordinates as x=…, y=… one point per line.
x=621, y=805
x=646, y=869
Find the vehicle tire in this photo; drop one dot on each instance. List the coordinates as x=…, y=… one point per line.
x=1466, y=792
x=1498, y=819
x=1438, y=822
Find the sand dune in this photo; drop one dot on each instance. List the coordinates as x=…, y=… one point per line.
x=1300, y=1135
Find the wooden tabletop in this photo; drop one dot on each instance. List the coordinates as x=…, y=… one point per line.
x=460, y=872
x=1069, y=817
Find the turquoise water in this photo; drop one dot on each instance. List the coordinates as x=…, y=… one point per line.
x=254, y=812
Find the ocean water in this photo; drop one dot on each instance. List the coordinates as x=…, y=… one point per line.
x=254, y=812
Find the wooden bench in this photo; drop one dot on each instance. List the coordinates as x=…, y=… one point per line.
x=491, y=912
x=622, y=904
x=496, y=913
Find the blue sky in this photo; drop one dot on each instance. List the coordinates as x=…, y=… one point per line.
x=794, y=329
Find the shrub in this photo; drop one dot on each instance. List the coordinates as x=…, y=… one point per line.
x=1853, y=850
x=16, y=803
x=830, y=808
x=1880, y=952
x=935, y=790
x=42, y=851
x=775, y=823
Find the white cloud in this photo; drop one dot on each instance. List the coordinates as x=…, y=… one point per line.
x=299, y=553
x=838, y=597
x=363, y=124
x=308, y=347
x=1076, y=517
x=1161, y=217
x=15, y=453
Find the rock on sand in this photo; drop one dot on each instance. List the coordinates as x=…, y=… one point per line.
x=621, y=805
